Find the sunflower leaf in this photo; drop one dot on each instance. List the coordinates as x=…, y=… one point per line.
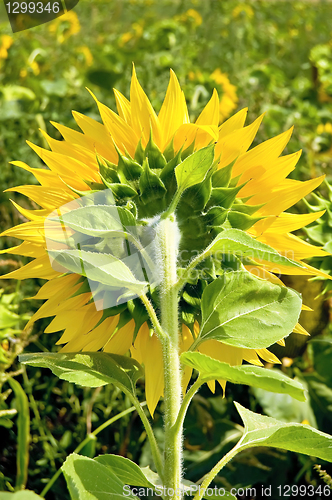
x=255, y=376
x=89, y=369
x=266, y=431
x=20, y=495
x=194, y=168
x=237, y=242
x=244, y=311
x=100, y=267
x=97, y=220
x=126, y=470
x=87, y=479
x=8, y=318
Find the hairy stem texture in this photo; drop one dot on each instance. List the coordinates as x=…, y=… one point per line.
x=168, y=242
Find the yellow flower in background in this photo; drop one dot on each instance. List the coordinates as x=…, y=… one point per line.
x=86, y=53
x=6, y=41
x=324, y=128
x=191, y=15
x=65, y=26
x=245, y=8
x=229, y=98
x=73, y=168
x=137, y=31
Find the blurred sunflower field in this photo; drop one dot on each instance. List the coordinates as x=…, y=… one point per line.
x=274, y=57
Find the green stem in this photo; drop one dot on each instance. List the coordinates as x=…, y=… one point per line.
x=168, y=241
x=185, y=403
x=186, y=273
x=174, y=203
x=84, y=442
x=152, y=439
x=154, y=319
x=216, y=469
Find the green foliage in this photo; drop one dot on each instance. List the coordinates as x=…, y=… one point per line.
x=239, y=302
x=255, y=376
x=265, y=431
x=19, y=495
x=126, y=470
x=89, y=479
x=320, y=231
x=194, y=168
x=93, y=369
x=237, y=242
x=23, y=434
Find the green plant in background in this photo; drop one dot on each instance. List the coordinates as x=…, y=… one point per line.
x=148, y=222
x=321, y=232
x=12, y=343
x=268, y=52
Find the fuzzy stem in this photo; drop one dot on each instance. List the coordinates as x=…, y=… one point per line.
x=216, y=469
x=168, y=241
x=185, y=404
x=153, y=316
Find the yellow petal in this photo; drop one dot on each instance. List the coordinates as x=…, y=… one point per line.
x=267, y=151
x=64, y=166
x=45, y=177
x=267, y=356
x=185, y=342
x=210, y=114
x=147, y=350
x=222, y=352
x=296, y=271
x=85, y=320
x=250, y=355
x=38, y=268
x=121, y=341
x=27, y=249
x=83, y=155
x=50, y=307
x=233, y=123
x=123, y=106
x=291, y=246
x=261, y=272
x=100, y=142
x=97, y=338
x=236, y=143
x=144, y=118
x=202, y=135
x=299, y=329
x=173, y=112
x=55, y=286
x=286, y=194
x=123, y=135
x=31, y=231
x=286, y=222
x=275, y=171
x=47, y=197
x=31, y=214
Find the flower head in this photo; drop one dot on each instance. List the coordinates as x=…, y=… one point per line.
x=133, y=154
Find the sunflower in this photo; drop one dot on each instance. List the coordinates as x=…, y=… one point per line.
x=133, y=153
